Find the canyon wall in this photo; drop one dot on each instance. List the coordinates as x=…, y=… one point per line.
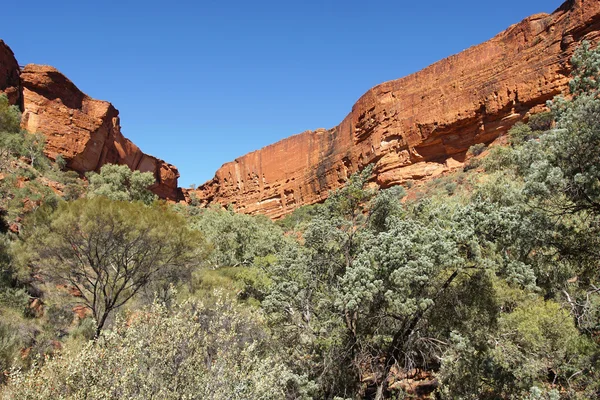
x=85, y=131
x=418, y=126
x=9, y=74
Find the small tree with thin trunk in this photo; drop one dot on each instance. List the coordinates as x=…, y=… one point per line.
x=109, y=250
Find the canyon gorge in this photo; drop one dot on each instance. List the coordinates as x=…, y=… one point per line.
x=410, y=129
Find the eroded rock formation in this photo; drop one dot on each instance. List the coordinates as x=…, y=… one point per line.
x=9, y=74
x=85, y=131
x=418, y=126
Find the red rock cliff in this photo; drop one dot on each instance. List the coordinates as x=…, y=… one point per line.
x=84, y=131
x=417, y=126
x=9, y=74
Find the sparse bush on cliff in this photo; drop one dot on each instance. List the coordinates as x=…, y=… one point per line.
x=60, y=161
x=10, y=116
x=14, y=141
x=476, y=149
x=541, y=121
x=119, y=182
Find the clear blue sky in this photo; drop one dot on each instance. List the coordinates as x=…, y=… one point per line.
x=199, y=83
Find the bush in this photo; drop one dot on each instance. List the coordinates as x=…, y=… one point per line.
x=118, y=182
x=10, y=344
x=198, y=351
x=476, y=149
x=541, y=121
x=237, y=239
x=450, y=188
x=10, y=116
x=60, y=162
x=519, y=133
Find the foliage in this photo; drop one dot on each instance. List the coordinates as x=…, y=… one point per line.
x=424, y=287
x=534, y=340
x=195, y=351
x=10, y=116
x=119, y=182
x=247, y=283
x=237, y=239
x=541, y=121
x=476, y=149
x=586, y=70
x=60, y=162
x=15, y=142
x=108, y=250
x=299, y=217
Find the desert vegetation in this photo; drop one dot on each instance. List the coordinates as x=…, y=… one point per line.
x=484, y=284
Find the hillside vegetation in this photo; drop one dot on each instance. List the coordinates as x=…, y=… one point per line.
x=482, y=284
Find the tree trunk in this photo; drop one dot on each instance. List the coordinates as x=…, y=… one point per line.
x=100, y=324
x=379, y=393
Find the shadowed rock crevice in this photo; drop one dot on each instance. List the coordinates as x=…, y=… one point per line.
x=10, y=83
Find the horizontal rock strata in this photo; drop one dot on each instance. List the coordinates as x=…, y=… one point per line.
x=418, y=126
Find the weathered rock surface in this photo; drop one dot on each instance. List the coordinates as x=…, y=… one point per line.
x=418, y=126
x=9, y=74
x=83, y=130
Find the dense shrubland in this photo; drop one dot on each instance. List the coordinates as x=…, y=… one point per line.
x=484, y=284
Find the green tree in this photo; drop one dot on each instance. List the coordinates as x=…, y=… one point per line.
x=237, y=239
x=305, y=304
x=562, y=167
x=10, y=116
x=119, y=182
x=108, y=250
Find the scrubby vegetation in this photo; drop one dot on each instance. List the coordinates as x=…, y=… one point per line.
x=484, y=284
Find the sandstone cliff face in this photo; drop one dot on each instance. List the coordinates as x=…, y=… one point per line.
x=418, y=126
x=83, y=130
x=9, y=74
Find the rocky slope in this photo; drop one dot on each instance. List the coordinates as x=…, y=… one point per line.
x=83, y=130
x=418, y=126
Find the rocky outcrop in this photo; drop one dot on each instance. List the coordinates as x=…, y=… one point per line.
x=85, y=131
x=418, y=126
x=9, y=74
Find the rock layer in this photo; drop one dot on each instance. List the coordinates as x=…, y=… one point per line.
x=9, y=74
x=418, y=126
x=85, y=131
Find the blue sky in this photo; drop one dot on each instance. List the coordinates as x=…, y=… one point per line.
x=200, y=83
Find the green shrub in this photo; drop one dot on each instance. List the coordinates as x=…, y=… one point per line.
x=10, y=344
x=541, y=121
x=10, y=116
x=213, y=350
x=60, y=161
x=450, y=187
x=15, y=298
x=476, y=149
x=119, y=182
x=519, y=133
